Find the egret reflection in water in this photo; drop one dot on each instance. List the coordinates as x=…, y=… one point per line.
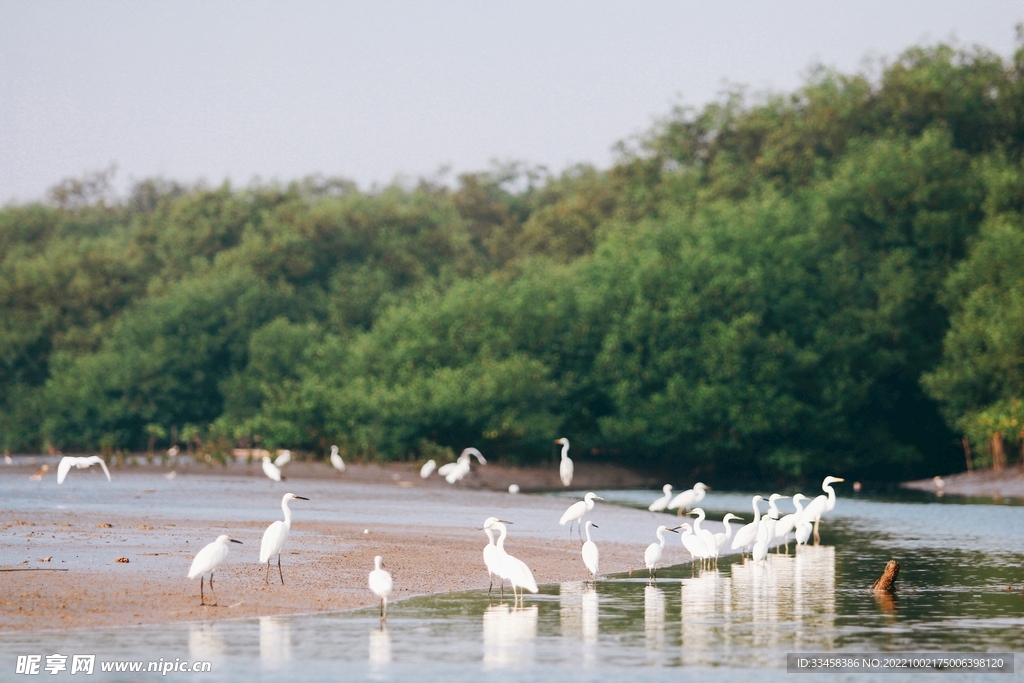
x=275, y=641
x=205, y=642
x=654, y=618
x=380, y=650
x=509, y=636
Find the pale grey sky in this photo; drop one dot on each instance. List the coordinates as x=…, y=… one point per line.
x=192, y=90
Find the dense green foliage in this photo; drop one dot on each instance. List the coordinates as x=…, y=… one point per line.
x=827, y=281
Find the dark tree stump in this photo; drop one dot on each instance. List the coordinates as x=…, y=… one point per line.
x=886, y=583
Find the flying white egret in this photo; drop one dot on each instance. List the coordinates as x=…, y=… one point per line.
x=271, y=470
x=40, y=473
x=275, y=536
x=662, y=503
x=706, y=537
x=590, y=554
x=69, y=461
x=722, y=538
x=380, y=583
x=788, y=523
x=576, y=511
x=283, y=459
x=747, y=534
x=336, y=460
x=492, y=558
x=428, y=468
x=207, y=560
x=460, y=468
x=515, y=570
x=565, y=467
x=820, y=505
x=688, y=498
x=693, y=543
x=652, y=556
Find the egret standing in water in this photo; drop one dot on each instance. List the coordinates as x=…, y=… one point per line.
x=565, y=467
x=820, y=505
x=788, y=523
x=747, y=534
x=590, y=554
x=662, y=503
x=69, y=461
x=275, y=536
x=207, y=560
x=492, y=558
x=722, y=538
x=380, y=583
x=336, y=461
x=514, y=569
x=271, y=470
x=576, y=511
x=652, y=556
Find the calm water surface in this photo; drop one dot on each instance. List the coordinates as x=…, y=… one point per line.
x=735, y=623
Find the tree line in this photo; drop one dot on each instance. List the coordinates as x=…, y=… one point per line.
x=768, y=287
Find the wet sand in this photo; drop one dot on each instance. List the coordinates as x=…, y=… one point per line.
x=426, y=531
x=987, y=483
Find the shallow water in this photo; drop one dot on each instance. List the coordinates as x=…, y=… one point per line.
x=734, y=623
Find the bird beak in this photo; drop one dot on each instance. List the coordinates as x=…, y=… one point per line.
x=838, y=479
x=234, y=541
x=302, y=498
x=676, y=530
x=504, y=522
x=558, y=441
x=594, y=525
x=598, y=498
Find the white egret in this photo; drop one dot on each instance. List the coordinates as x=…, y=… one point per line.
x=767, y=528
x=173, y=451
x=705, y=536
x=788, y=523
x=207, y=560
x=688, y=498
x=760, y=551
x=69, y=461
x=652, y=556
x=747, y=534
x=460, y=468
x=283, y=459
x=427, y=469
x=381, y=583
x=575, y=512
x=170, y=475
x=565, y=467
x=40, y=473
x=803, y=531
x=514, y=569
x=820, y=505
x=662, y=503
x=492, y=558
x=275, y=536
x=722, y=538
x=693, y=543
x=8, y=460
x=336, y=460
x=271, y=470
x=513, y=488
x=590, y=554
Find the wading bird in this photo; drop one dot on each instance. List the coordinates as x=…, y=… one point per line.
x=706, y=537
x=693, y=544
x=514, y=569
x=662, y=503
x=275, y=536
x=336, y=460
x=747, y=534
x=69, y=461
x=283, y=459
x=820, y=505
x=590, y=554
x=652, y=556
x=576, y=511
x=722, y=538
x=456, y=471
x=427, y=469
x=565, y=467
x=40, y=473
x=380, y=583
x=207, y=560
x=492, y=559
x=271, y=470
x=787, y=523
x=688, y=498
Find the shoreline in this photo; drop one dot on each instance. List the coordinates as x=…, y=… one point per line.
x=428, y=534
x=987, y=483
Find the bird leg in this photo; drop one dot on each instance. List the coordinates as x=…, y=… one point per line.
x=279, y=568
x=202, y=599
x=490, y=585
x=214, y=603
x=266, y=579
x=817, y=538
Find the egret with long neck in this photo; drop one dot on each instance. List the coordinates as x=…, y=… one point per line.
x=275, y=536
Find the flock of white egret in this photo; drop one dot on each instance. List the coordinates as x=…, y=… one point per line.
x=771, y=529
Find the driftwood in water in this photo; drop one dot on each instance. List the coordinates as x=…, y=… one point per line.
x=886, y=583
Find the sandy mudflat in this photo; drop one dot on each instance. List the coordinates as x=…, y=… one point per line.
x=1008, y=483
x=426, y=531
